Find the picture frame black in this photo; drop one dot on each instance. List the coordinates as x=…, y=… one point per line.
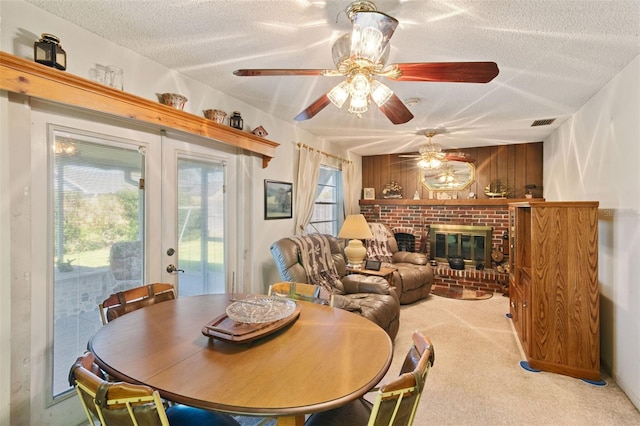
x=278, y=200
x=372, y=265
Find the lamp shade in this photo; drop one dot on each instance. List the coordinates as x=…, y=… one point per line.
x=355, y=226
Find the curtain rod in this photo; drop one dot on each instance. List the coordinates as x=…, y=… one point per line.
x=310, y=148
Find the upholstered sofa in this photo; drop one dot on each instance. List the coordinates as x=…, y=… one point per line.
x=370, y=296
x=413, y=276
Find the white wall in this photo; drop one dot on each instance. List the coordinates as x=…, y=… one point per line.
x=5, y=271
x=21, y=25
x=595, y=155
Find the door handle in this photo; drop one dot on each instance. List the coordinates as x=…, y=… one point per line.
x=171, y=268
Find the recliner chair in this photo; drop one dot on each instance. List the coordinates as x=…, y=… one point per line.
x=370, y=296
x=413, y=277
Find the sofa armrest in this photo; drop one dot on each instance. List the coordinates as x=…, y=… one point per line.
x=409, y=257
x=356, y=283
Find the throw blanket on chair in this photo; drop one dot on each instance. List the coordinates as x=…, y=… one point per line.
x=378, y=246
x=315, y=256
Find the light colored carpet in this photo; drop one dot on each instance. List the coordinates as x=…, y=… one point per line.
x=477, y=379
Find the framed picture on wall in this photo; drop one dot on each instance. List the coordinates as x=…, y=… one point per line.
x=369, y=193
x=278, y=200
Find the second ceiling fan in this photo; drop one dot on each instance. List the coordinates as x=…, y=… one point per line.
x=362, y=54
x=431, y=156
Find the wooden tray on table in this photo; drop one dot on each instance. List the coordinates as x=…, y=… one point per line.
x=224, y=328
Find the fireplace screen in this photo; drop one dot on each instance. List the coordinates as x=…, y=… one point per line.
x=472, y=243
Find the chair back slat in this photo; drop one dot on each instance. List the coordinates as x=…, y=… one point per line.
x=397, y=401
x=123, y=302
x=115, y=402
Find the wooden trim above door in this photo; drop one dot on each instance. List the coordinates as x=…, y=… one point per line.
x=30, y=78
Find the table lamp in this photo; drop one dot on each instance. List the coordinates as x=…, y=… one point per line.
x=355, y=228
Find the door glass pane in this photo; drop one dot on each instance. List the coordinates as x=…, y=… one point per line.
x=200, y=227
x=441, y=249
x=98, y=211
x=465, y=250
x=479, y=249
x=452, y=245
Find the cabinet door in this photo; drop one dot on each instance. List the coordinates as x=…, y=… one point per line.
x=525, y=311
x=515, y=298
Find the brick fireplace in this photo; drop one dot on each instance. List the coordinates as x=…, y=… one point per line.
x=417, y=216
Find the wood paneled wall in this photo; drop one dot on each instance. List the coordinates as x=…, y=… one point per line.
x=518, y=165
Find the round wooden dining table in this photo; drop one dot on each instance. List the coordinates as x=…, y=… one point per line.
x=323, y=360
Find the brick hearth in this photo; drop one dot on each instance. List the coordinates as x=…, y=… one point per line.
x=471, y=279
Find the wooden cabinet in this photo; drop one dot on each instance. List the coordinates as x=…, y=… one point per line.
x=554, y=294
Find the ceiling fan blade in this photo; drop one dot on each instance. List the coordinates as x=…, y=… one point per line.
x=409, y=155
x=454, y=72
x=458, y=156
x=396, y=111
x=266, y=72
x=463, y=159
x=314, y=108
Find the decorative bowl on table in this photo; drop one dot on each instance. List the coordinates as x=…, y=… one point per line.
x=175, y=100
x=256, y=309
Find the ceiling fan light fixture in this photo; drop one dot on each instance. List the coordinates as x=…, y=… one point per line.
x=366, y=43
x=429, y=163
x=430, y=148
x=359, y=105
x=339, y=94
x=380, y=93
x=370, y=36
x=360, y=87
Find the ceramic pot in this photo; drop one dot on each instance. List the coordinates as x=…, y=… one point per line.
x=173, y=99
x=215, y=115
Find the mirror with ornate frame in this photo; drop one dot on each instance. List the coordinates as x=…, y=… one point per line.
x=451, y=176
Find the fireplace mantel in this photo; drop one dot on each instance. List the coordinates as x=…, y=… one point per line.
x=502, y=202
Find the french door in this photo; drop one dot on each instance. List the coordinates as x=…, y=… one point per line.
x=197, y=184
x=117, y=208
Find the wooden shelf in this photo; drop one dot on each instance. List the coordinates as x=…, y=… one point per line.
x=26, y=77
x=458, y=202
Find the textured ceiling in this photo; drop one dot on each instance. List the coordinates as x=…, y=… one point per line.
x=552, y=55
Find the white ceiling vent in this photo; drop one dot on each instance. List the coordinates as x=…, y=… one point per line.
x=544, y=122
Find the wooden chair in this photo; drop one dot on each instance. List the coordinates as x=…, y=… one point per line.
x=126, y=301
x=302, y=291
x=396, y=402
x=117, y=403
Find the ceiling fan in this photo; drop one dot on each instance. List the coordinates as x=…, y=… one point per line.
x=431, y=156
x=362, y=55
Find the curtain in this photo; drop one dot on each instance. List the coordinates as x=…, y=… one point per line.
x=348, y=189
x=308, y=170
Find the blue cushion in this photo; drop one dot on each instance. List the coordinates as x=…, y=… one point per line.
x=183, y=415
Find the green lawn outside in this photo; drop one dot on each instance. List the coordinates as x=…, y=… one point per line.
x=190, y=252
